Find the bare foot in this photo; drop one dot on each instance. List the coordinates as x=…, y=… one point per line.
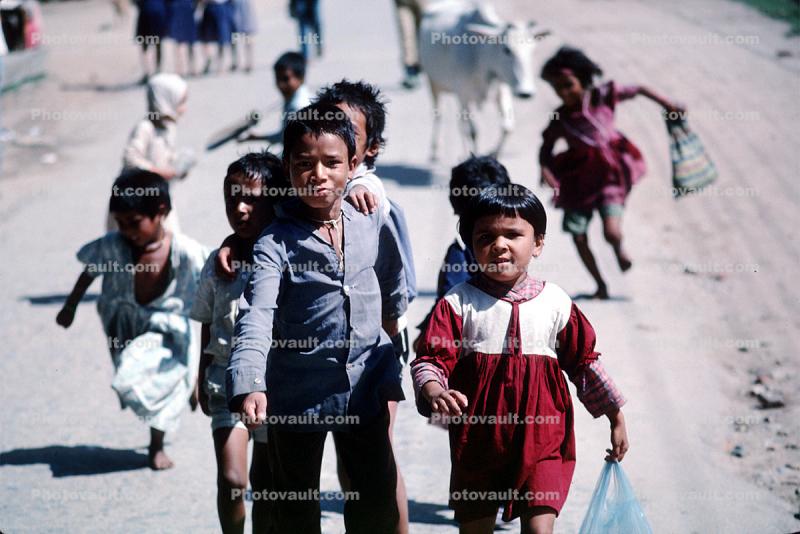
x=601, y=293
x=624, y=261
x=159, y=460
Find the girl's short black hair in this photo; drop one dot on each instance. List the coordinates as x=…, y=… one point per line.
x=263, y=167
x=511, y=200
x=141, y=192
x=292, y=61
x=575, y=60
x=318, y=119
x=365, y=98
x=470, y=177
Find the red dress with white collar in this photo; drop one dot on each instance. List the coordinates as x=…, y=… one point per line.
x=505, y=350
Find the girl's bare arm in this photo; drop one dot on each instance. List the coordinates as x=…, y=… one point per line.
x=659, y=99
x=67, y=313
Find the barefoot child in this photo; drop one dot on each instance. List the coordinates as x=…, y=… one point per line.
x=249, y=185
x=496, y=347
x=150, y=276
x=600, y=165
x=310, y=349
x=362, y=102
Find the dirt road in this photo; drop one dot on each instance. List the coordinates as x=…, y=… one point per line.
x=709, y=305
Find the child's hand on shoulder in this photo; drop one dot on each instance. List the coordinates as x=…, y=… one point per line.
x=619, y=437
x=364, y=201
x=447, y=401
x=66, y=316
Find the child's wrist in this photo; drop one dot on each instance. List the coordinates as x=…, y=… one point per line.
x=615, y=416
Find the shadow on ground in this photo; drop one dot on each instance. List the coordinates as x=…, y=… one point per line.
x=44, y=300
x=418, y=512
x=405, y=175
x=77, y=460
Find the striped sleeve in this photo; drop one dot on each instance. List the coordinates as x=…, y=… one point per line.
x=438, y=353
x=576, y=355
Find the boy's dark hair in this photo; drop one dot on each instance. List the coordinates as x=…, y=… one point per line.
x=139, y=191
x=293, y=61
x=574, y=60
x=510, y=200
x=470, y=177
x=365, y=98
x=318, y=119
x=263, y=167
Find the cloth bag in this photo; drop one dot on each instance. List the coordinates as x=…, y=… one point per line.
x=614, y=507
x=692, y=169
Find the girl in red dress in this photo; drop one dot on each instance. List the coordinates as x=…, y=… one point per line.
x=491, y=366
x=600, y=165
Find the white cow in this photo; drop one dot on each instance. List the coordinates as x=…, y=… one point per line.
x=465, y=48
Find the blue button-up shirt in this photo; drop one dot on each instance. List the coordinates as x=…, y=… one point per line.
x=310, y=335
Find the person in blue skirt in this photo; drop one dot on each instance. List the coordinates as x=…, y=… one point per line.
x=244, y=30
x=182, y=29
x=306, y=12
x=216, y=27
x=151, y=28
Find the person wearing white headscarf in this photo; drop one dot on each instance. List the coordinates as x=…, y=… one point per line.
x=151, y=145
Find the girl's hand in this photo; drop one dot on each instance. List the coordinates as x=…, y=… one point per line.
x=619, y=437
x=66, y=316
x=674, y=108
x=447, y=401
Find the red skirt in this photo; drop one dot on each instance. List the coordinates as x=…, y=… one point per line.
x=590, y=177
x=523, y=458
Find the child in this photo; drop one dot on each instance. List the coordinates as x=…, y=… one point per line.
x=151, y=27
x=600, y=165
x=216, y=27
x=309, y=343
x=249, y=211
x=496, y=347
x=310, y=29
x=151, y=145
x=183, y=30
x=363, y=104
x=150, y=277
x=467, y=179
x=290, y=75
x=244, y=29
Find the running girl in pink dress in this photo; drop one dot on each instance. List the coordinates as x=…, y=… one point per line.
x=600, y=165
x=491, y=366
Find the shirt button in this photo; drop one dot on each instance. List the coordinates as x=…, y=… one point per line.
x=349, y=365
x=257, y=380
x=346, y=290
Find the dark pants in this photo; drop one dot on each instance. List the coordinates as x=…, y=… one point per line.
x=365, y=451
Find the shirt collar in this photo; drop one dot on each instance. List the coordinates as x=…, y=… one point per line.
x=525, y=289
x=362, y=170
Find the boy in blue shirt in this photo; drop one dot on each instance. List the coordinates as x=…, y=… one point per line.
x=311, y=345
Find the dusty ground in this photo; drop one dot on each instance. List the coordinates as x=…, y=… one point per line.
x=709, y=308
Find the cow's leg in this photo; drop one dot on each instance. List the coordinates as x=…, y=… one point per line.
x=437, y=122
x=506, y=105
x=468, y=127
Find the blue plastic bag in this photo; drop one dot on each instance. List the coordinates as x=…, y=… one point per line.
x=614, y=508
